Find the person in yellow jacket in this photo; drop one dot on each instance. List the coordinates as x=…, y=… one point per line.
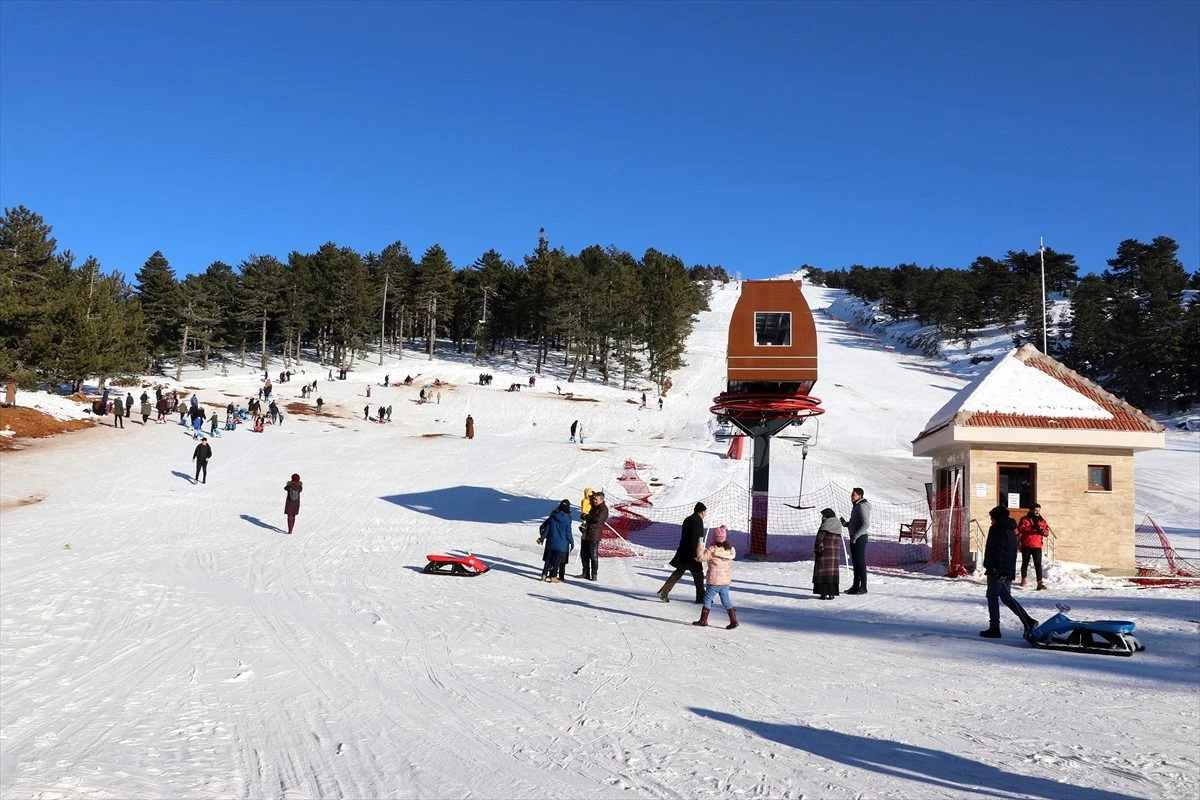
x=585, y=505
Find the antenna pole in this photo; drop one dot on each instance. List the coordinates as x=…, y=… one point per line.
x=1042, y=253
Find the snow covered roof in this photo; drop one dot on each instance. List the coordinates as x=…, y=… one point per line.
x=1028, y=389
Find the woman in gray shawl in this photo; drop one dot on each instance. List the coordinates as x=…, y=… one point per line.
x=828, y=550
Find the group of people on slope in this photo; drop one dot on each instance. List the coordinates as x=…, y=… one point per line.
x=1000, y=558
x=559, y=541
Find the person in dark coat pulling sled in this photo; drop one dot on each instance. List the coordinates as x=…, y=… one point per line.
x=1000, y=566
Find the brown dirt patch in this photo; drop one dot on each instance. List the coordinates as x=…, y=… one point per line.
x=29, y=423
x=24, y=501
x=301, y=409
x=432, y=435
x=581, y=399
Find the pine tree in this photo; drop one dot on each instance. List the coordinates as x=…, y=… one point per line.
x=259, y=291
x=160, y=296
x=433, y=292
x=668, y=312
x=1148, y=320
x=28, y=266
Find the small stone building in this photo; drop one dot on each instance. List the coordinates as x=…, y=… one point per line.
x=1030, y=430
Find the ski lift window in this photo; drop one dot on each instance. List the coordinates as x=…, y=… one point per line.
x=773, y=328
x=1099, y=478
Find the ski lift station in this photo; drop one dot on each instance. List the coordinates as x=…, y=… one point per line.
x=1030, y=430
x=771, y=366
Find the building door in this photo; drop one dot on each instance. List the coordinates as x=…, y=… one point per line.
x=1017, y=487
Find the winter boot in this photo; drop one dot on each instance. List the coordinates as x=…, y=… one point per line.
x=703, y=621
x=666, y=588
x=733, y=623
x=1022, y=583
x=1029, y=624
x=993, y=632
x=1041, y=586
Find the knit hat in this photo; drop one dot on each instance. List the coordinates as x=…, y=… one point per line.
x=700, y=507
x=295, y=476
x=999, y=512
x=827, y=513
x=719, y=534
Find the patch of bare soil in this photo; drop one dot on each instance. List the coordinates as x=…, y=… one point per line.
x=29, y=423
x=582, y=399
x=593, y=449
x=24, y=501
x=432, y=435
x=301, y=409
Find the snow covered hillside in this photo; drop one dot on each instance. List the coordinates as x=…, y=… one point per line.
x=160, y=638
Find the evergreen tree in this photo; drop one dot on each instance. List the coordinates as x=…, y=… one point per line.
x=28, y=267
x=668, y=312
x=160, y=297
x=1149, y=281
x=1090, y=343
x=260, y=289
x=433, y=292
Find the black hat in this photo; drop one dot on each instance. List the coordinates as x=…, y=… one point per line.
x=565, y=505
x=828, y=513
x=999, y=512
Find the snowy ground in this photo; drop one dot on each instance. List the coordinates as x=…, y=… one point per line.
x=165, y=639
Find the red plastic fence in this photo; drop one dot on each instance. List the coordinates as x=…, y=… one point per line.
x=1156, y=558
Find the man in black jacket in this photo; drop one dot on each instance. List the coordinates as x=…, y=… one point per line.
x=859, y=526
x=593, y=529
x=1000, y=566
x=685, y=556
x=203, y=453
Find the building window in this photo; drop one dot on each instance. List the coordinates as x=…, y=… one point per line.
x=773, y=328
x=1099, y=478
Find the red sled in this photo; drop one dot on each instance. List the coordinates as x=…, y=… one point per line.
x=467, y=566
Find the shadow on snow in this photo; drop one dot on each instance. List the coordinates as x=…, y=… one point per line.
x=475, y=504
x=938, y=770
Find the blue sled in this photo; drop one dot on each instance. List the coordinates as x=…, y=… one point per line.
x=1103, y=636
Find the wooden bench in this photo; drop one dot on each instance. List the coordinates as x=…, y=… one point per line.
x=915, y=531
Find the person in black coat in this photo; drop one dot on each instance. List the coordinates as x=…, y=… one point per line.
x=592, y=530
x=203, y=453
x=1000, y=567
x=685, y=556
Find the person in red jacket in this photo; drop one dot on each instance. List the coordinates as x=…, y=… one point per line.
x=1033, y=529
x=291, y=506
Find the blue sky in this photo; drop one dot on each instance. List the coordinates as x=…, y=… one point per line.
x=759, y=136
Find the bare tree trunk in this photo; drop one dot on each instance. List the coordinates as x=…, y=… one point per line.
x=264, y=339
x=297, y=348
x=182, y=352
x=383, y=316
x=432, y=326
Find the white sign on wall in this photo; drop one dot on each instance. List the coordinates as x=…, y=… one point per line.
x=981, y=490
x=1014, y=500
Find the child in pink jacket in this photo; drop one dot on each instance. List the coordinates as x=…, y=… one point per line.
x=719, y=555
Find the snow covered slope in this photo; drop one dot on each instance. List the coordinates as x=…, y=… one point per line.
x=165, y=639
